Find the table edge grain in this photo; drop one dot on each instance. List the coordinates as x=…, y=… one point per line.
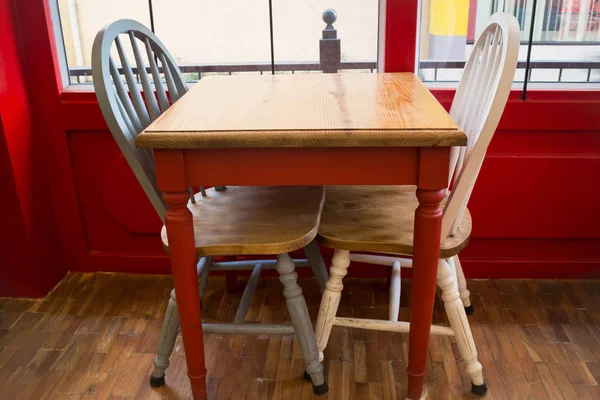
x=301, y=138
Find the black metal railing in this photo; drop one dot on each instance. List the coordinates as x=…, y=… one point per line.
x=561, y=66
x=194, y=72
x=200, y=69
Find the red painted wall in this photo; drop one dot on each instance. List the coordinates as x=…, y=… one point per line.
x=534, y=208
x=400, y=35
x=30, y=254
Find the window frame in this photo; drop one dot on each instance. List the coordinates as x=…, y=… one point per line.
x=397, y=48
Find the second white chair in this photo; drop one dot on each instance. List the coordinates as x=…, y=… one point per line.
x=381, y=219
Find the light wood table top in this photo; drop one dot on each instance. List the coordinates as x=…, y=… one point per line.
x=305, y=110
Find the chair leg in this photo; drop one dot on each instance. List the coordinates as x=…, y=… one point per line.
x=395, y=288
x=465, y=295
x=315, y=259
x=166, y=343
x=446, y=280
x=301, y=320
x=331, y=298
x=203, y=274
x=170, y=327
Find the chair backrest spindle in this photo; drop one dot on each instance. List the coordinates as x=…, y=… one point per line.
x=138, y=102
x=170, y=83
x=124, y=98
x=145, y=80
x=160, y=90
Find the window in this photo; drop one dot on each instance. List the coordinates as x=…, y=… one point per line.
x=82, y=19
x=232, y=36
x=563, y=36
x=566, y=42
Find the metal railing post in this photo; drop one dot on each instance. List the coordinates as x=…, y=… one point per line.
x=329, y=45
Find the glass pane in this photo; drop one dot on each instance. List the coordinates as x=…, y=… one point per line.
x=298, y=29
x=82, y=19
x=230, y=34
x=566, y=42
x=449, y=28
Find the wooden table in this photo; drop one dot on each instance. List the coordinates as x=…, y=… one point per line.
x=304, y=129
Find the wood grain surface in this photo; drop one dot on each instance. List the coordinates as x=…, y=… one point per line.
x=305, y=110
x=255, y=219
x=95, y=335
x=378, y=218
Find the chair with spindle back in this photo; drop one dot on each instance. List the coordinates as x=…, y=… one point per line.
x=381, y=219
x=231, y=221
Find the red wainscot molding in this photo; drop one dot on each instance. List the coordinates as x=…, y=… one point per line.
x=533, y=206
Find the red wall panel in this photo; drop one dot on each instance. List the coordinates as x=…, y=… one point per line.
x=111, y=225
x=536, y=197
x=533, y=207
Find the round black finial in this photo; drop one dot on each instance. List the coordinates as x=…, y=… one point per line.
x=329, y=17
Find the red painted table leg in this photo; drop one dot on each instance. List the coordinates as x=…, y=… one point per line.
x=180, y=231
x=428, y=224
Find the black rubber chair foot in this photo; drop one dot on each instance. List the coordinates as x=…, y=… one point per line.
x=469, y=309
x=479, y=390
x=157, y=382
x=321, y=389
x=318, y=390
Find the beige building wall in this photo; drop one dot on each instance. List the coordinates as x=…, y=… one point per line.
x=231, y=31
x=66, y=26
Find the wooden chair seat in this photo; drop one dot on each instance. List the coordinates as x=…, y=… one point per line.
x=379, y=219
x=255, y=220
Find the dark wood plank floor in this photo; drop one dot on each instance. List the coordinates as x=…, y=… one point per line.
x=95, y=335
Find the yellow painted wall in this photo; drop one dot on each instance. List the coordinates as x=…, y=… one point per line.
x=449, y=17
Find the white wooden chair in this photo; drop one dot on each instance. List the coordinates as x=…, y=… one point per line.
x=385, y=215
x=278, y=220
